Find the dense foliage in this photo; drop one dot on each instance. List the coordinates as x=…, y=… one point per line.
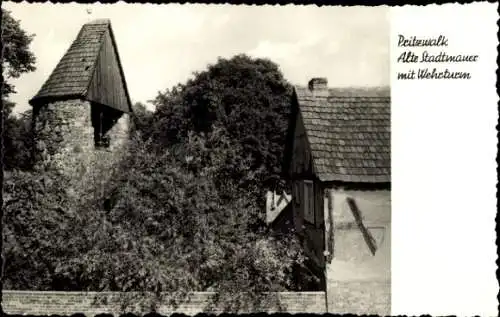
x=141, y=121
x=17, y=59
x=16, y=55
x=248, y=98
x=17, y=138
x=182, y=212
x=161, y=224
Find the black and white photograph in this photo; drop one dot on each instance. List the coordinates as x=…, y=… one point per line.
x=196, y=158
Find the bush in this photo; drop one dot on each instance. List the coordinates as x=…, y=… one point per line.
x=165, y=222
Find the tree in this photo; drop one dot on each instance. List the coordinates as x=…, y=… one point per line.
x=17, y=139
x=247, y=97
x=17, y=57
x=142, y=119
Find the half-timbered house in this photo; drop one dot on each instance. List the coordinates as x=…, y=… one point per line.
x=338, y=162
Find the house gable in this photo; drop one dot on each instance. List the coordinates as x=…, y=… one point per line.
x=301, y=164
x=298, y=156
x=107, y=86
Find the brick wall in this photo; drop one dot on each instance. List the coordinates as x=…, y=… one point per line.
x=66, y=303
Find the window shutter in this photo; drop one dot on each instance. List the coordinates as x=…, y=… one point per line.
x=320, y=207
x=308, y=203
x=296, y=193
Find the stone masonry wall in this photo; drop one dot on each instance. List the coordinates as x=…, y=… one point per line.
x=67, y=303
x=63, y=137
x=119, y=133
x=104, y=159
x=64, y=142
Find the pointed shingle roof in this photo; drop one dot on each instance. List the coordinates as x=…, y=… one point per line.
x=73, y=74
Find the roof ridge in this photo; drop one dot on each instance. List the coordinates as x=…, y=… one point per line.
x=99, y=21
x=381, y=87
x=347, y=92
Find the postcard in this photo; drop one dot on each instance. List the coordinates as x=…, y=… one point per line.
x=193, y=158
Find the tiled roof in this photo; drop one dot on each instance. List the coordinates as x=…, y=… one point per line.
x=348, y=131
x=73, y=74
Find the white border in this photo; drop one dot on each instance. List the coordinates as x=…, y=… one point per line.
x=444, y=177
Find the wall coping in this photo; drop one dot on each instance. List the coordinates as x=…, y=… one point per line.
x=138, y=293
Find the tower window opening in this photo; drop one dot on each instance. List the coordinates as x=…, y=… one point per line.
x=102, y=122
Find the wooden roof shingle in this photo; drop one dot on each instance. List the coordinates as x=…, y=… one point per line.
x=73, y=74
x=348, y=131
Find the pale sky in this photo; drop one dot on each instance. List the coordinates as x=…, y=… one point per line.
x=162, y=45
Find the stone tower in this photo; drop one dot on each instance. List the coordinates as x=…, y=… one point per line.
x=81, y=113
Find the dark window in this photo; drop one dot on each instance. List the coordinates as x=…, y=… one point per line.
x=103, y=120
x=100, y=139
